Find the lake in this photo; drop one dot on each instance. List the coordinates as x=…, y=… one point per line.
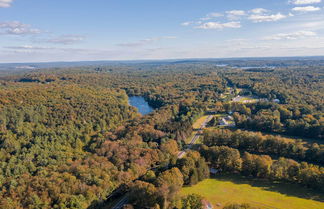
x=142, y=106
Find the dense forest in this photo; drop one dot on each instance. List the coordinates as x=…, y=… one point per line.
x=69, y=138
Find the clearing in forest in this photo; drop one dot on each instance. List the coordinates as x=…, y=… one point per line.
x=263, y=194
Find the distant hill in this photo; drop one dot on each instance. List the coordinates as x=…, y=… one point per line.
x=233, y=62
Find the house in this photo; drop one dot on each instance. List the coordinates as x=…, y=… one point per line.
x=223, y=122
x=229, y=118
x=213, y=171
x=276, y=101
x=207, y=204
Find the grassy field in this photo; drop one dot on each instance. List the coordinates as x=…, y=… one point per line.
x=196, y=126
x=263, y=194
x=245, y=99
x=199, y=122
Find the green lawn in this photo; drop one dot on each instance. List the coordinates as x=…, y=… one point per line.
x=263, y=194
x=199, y=122
x=196, y=126
x=246, y=99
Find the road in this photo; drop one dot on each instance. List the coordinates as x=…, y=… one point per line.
x=124, y=200
x=195, y=137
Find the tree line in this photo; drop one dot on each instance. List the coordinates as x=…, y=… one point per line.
x=226, y=159
x=265, y=144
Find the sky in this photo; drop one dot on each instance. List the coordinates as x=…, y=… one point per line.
x=84, y=30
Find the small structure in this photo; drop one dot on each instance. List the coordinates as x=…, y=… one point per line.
x=213, y=171
x=229, y=118
x=223, y=122
x=263, y=100
x=276, y=101
x=207, y=204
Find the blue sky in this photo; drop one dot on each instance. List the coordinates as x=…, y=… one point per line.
x=71, y=30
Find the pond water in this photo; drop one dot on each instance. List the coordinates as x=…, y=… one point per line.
x=142, y=106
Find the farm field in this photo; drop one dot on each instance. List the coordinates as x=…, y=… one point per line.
x=246, y=99
x=230, y=189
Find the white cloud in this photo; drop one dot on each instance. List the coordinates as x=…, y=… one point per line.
x=235, y=14
x=258, y=11
x=47, y=53
x=315, y=25
x=217, y=25
x=5, y=3
x=145, y=41
x=230, y=48
x=291, y=36
x=303, y=2
x=211, y=16
x=215, y=14
x=17, y=28
x=27, y=47
x=266, y=18
x=187, y=23
x=306, y=9
x=66, y=39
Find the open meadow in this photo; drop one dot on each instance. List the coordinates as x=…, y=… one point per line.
x=224, y=190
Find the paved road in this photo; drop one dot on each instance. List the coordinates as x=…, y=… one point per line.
x=124, y=200
x=193, y=140
x=195, y=137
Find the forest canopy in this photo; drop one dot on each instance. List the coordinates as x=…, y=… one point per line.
x=70, y=139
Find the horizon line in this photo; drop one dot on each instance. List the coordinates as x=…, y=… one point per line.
x=162, y=59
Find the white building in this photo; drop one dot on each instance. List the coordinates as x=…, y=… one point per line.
x=223, y=122
x=276, y=101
